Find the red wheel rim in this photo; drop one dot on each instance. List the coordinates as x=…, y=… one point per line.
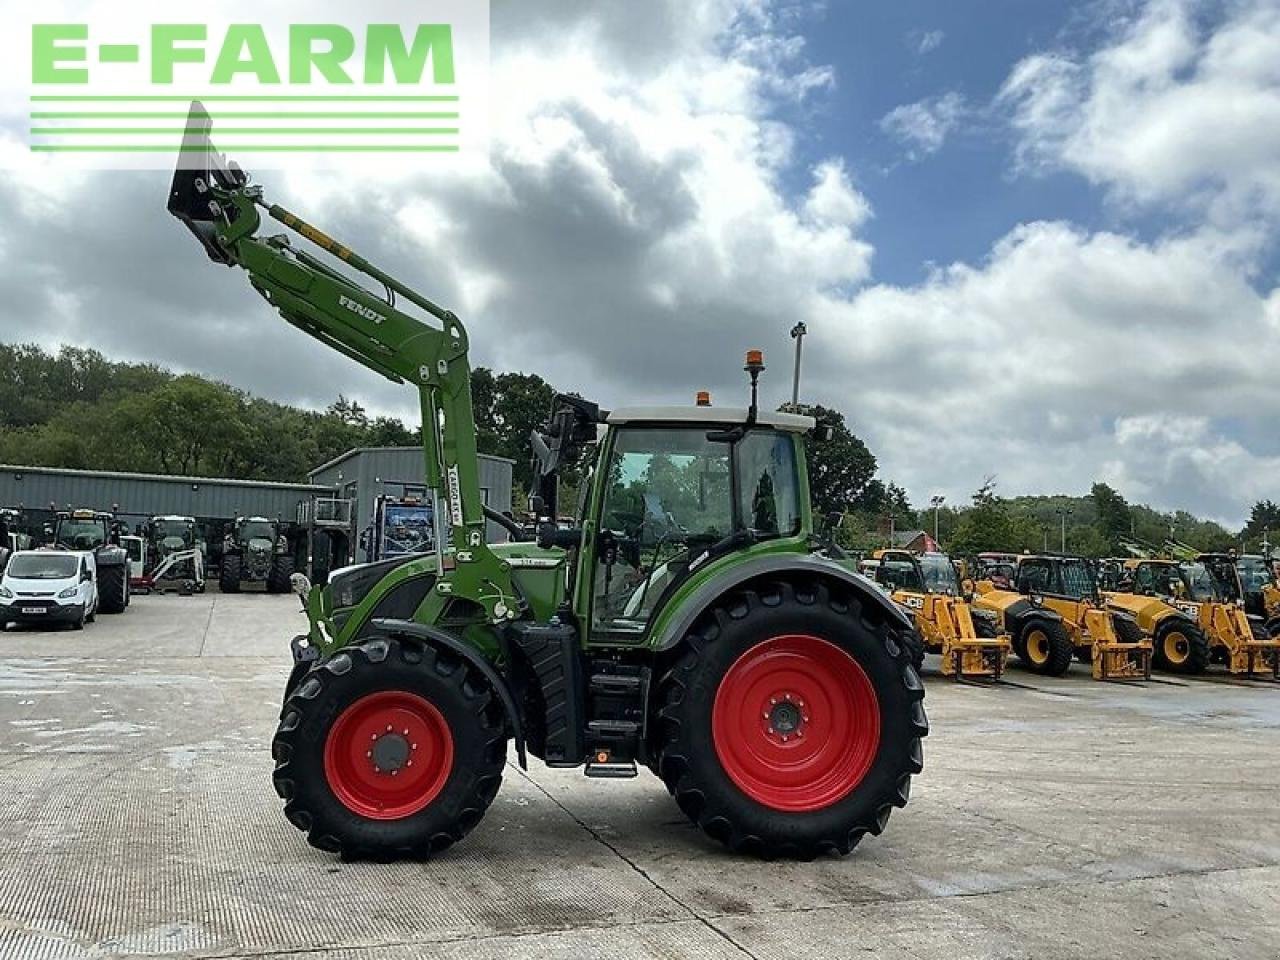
x=796, y=723
x=388, y=755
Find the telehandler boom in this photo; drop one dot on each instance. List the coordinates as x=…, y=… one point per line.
x=690, y=621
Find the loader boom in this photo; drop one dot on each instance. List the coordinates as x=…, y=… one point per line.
x=216, y=201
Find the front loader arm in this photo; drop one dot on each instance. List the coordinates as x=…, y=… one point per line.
x=223, y=210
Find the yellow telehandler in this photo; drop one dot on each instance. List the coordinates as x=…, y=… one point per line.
x=1054, y=611
x=1210, y=591
x=927, y=588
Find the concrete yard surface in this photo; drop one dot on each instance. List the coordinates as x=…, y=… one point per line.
x=1055, y=818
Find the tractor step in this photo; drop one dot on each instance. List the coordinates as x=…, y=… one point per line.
x=613, y=728
x=612, y=770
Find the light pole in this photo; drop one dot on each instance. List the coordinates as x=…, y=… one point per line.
x=1063, y=513
x=936, y=501
x=892, y=517
x=797, y=334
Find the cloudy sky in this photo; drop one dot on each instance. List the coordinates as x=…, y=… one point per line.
x=1029, y=239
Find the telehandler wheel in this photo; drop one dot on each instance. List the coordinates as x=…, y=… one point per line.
x=229, y=575
x=1179, y=647
x=389, y=749
x=113, y=589
x=1045, y=648
x=278, y=577
x=791, y=724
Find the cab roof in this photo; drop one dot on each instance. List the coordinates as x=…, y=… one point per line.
x=729, y=416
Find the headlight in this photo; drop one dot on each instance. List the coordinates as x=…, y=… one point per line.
x=6, y=592
x=69, y=592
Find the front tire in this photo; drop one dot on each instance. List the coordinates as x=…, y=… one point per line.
x=346, y=770
x=791, y=724
x=229, y=575
x=113, y=589
x=282, y=567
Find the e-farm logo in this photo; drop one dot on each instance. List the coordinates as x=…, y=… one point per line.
x=117, y=90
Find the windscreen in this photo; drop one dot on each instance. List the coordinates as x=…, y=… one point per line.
x=42, y=566
x=939, y=574
x=1078, y=579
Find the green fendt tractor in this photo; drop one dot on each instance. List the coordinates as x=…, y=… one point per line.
x=255, y=551
x=689, y=621
x=97, y=532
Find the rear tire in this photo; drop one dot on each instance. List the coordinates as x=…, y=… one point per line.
x=334, y=790
x=728, y=770
x=1044, y=647
x=229, y=575
x=113, y=589
x=1179, y=647
x=914, y=642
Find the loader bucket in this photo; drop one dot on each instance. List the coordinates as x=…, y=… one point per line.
x=200, y=166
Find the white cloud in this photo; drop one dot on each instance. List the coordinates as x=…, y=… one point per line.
x=926, y=42
x=924, y=125
x=1043, y=365
x=1169, y=113
x=633, y=201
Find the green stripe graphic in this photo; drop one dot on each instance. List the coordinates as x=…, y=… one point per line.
x=274, y=115
x=247, y=148
x=299, y=98
x=270, y=131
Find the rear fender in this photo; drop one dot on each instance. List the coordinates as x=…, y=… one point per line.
x=775, y=566
x=441, y=639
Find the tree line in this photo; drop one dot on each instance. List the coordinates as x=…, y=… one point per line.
x=77, y=409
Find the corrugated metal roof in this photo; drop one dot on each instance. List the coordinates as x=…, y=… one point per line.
x=356, y=451
x=161, y=478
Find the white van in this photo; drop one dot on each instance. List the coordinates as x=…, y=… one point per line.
x=49, y=586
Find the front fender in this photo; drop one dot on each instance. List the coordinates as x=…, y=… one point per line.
x=440, y=638
x=674, y=629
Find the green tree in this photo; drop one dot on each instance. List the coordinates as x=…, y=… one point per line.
x=1114, y=521
x=1264, y=519
x=841, y=468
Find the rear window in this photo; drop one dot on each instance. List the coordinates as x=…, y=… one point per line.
x=43, y=566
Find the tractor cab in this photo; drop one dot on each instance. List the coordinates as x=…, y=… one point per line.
x=168, y=535
x=675, y=489
x=84, y=530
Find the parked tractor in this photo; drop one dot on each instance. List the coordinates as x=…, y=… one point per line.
x=1056, y=612
x=687, y=621
x=12, y=536
x=928, y=588
x=255, y=550
x=97, y=532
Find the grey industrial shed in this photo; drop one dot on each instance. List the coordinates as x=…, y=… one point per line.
x=362, y=474
x=138, y=496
